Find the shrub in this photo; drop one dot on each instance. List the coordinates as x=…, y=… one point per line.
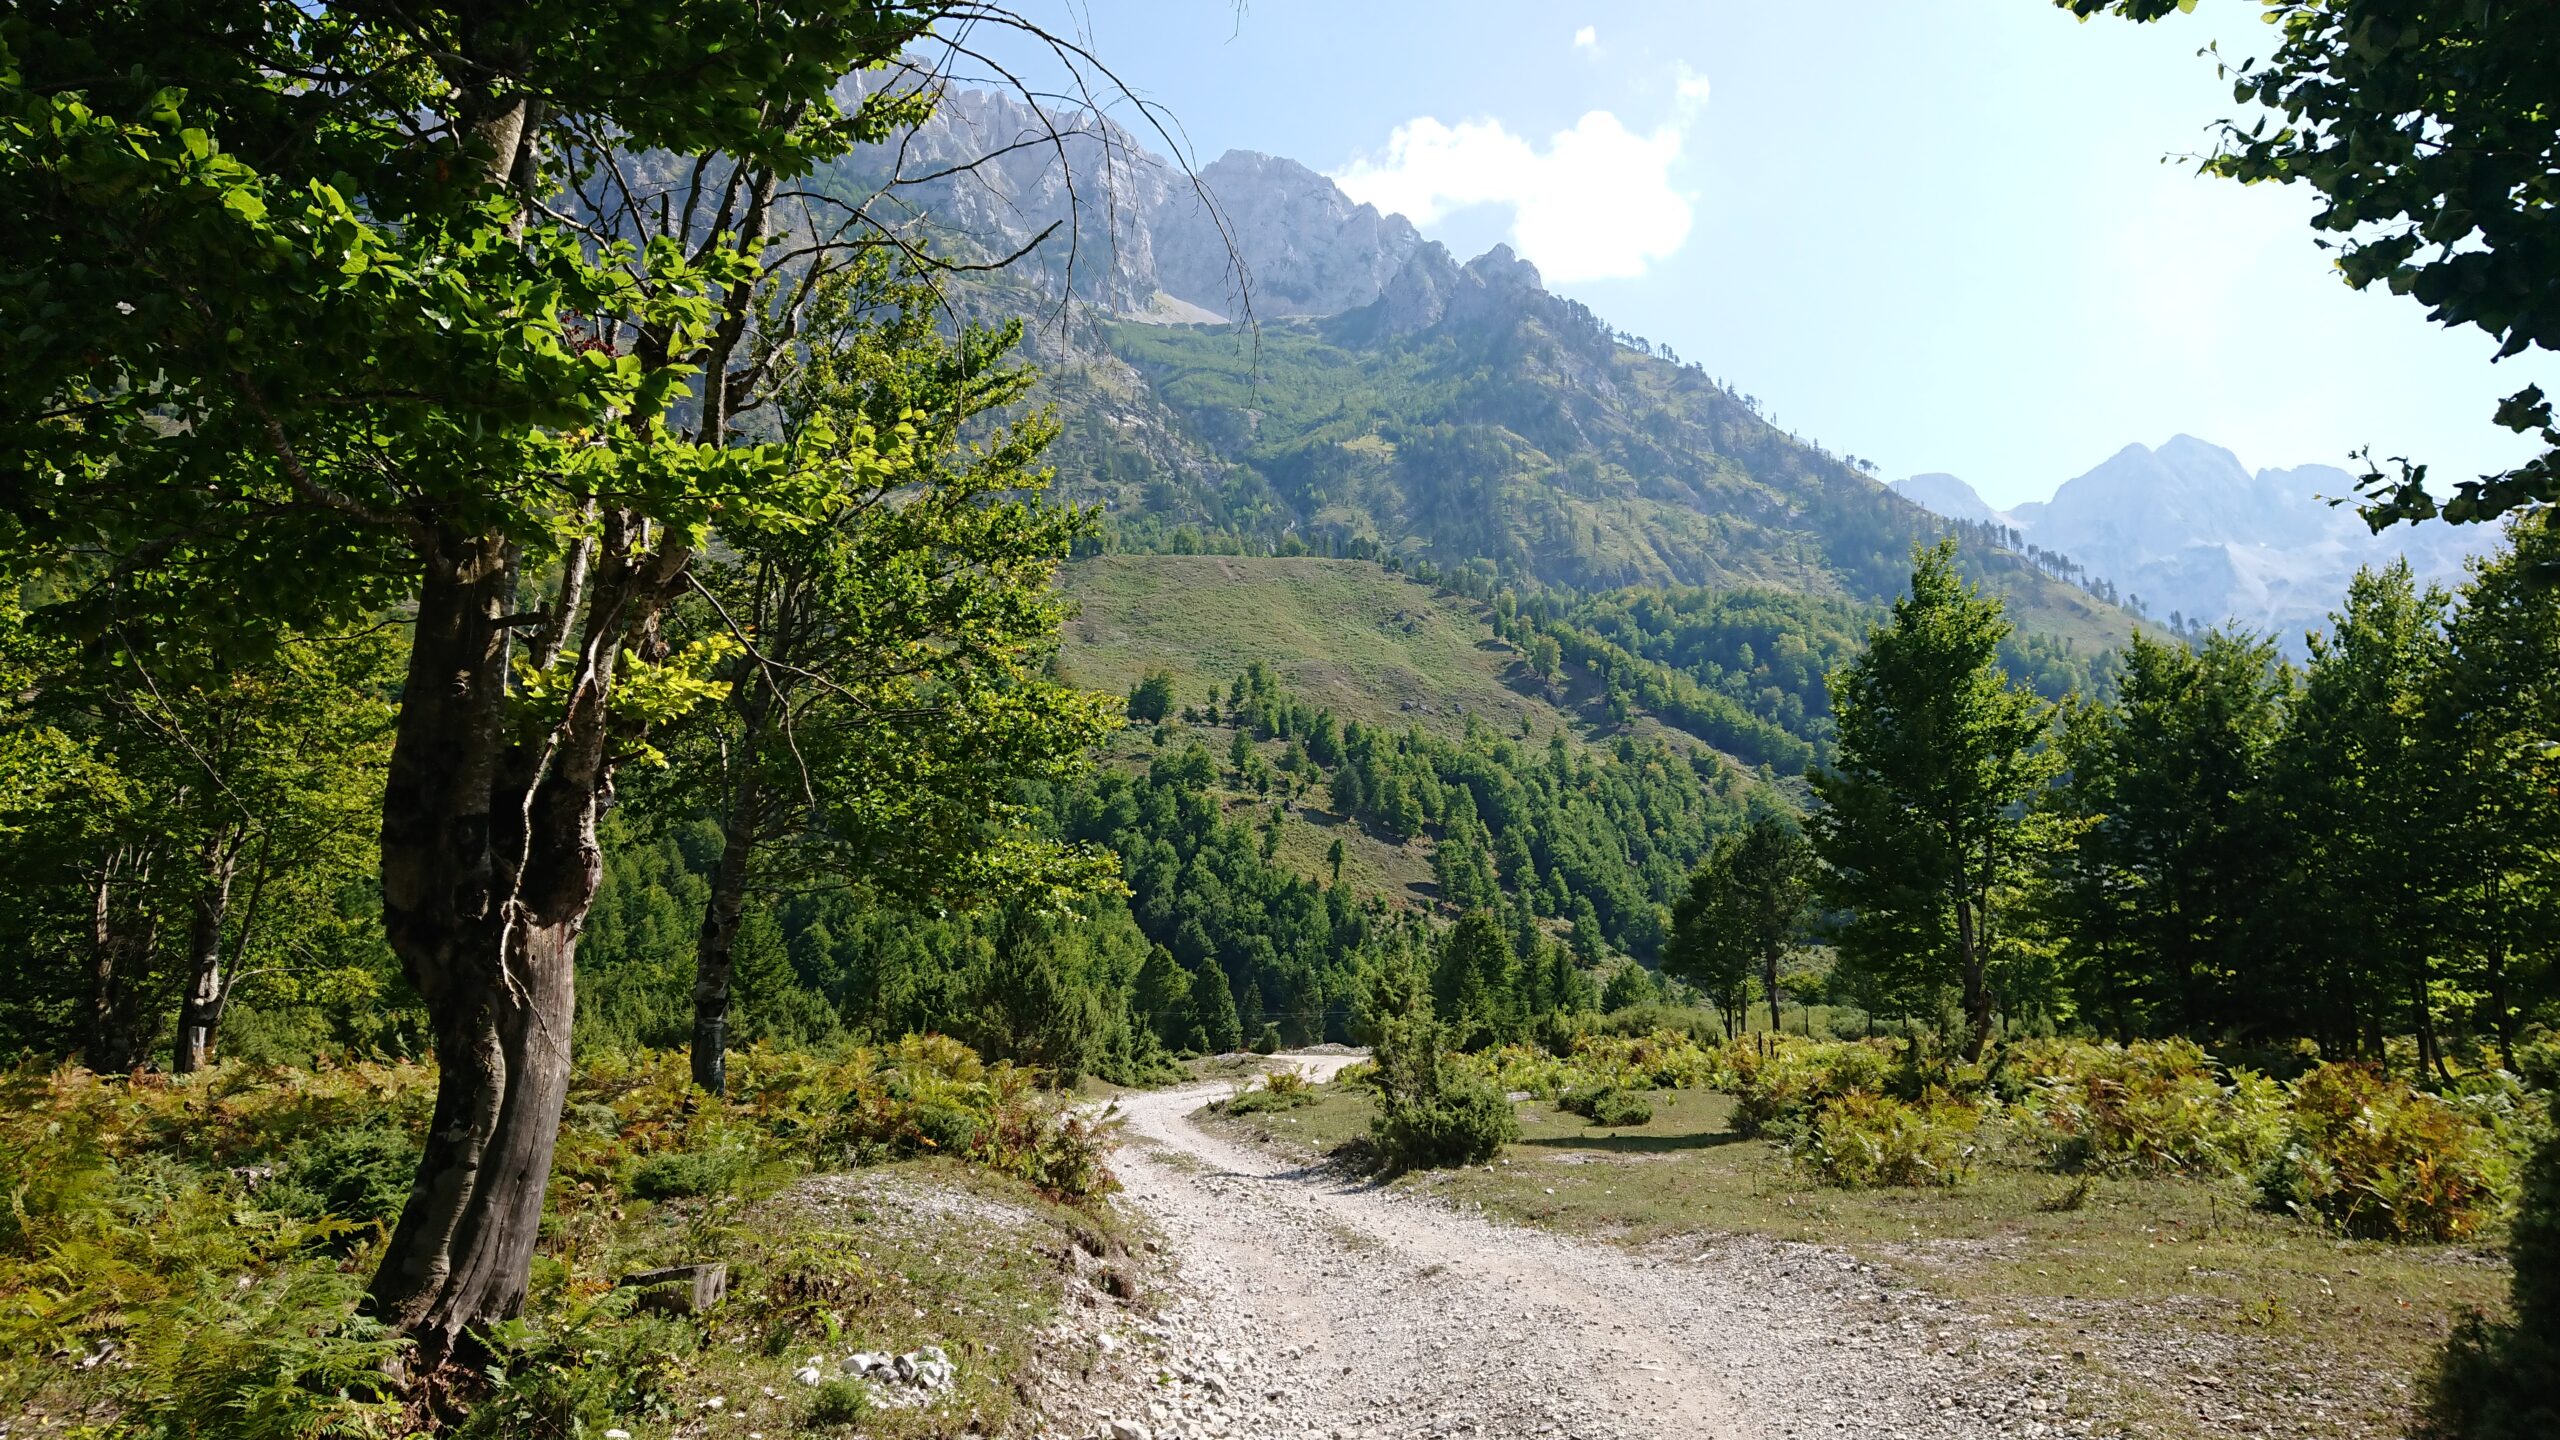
x=838, y=1403
x=1280, y=1090
x=1434, y=1109
x=2379, y=1159
x=1863, y=1140
x=2501, y=1381
x=1609, y=1105
x=2152, y=1106
x=1267, y=1041
x=1777, y=1093
x=685, y=1173
x=1657, y=1060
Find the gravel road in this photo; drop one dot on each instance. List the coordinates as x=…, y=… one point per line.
x=1313, y=1303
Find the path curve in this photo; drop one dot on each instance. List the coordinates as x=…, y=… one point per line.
x=1339, y=1308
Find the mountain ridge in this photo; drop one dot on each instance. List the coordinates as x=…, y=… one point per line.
x=2199, y=537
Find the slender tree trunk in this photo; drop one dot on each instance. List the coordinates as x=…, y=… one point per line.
x=200, y=1006
x=2494, y=958
x=713, y=948
x=1977, y=988
x=1769, y=972
x=120, y=944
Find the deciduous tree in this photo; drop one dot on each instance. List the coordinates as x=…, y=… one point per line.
x=1921, y=824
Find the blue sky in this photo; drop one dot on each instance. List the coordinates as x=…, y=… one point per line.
x=1936, y=233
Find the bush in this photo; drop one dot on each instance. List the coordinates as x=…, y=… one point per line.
x=685, y=1173
x=2152, y=1106
x=1656, y=1060
x=1863, y=1140
x=838, y=1403
x=2499, y=1381
x=1434, y=1109
x=1777, y=1093
x=1267, y=1042
x=1280, y=1090
x=1609, y=1105
x=2382, y=1160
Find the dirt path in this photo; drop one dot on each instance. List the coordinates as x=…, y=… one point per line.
x=1320, y=1305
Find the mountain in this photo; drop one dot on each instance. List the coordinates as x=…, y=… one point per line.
x=1949, y=496
x=1128, y=231
x=1389, y=401
x=2195, y=534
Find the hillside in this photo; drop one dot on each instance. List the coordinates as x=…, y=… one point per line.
x=1348, y=638
x=1471, y=419
x=1385, y=398
x=1345, y=635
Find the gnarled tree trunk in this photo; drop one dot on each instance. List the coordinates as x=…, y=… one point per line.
x=489, y=864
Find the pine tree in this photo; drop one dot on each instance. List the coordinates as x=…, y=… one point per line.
x=1213, y=1006
x=1474, y=986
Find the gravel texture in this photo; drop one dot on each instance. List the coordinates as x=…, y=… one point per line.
x=1305, y=1302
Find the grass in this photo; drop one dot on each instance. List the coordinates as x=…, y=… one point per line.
x=2212, y=1317
x=1342, y=634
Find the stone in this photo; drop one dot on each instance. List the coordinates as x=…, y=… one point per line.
x=680, y=1289
x=1128, y=1430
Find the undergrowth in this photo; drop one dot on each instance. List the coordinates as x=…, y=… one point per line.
x=187, y=1258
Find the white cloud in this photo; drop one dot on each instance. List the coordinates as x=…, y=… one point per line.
x=1587, y=38
x=1690, y=88
x=1596, y=203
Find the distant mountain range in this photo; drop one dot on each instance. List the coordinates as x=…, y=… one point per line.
x=2194, y=534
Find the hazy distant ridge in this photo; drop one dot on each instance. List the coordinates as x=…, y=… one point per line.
x=2193, y=532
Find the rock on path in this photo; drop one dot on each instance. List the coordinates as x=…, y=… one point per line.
x=1314, y=1304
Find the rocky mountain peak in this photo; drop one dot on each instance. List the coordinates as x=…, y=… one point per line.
x=1305, y=248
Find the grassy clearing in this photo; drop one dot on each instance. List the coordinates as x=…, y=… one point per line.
x=2215, y=1317
x=1342, y=634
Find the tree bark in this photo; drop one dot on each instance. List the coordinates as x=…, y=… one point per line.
x=200, y=1006
x=120, y=944
x=489, y=863
x=1977, y=989
x=714, y=946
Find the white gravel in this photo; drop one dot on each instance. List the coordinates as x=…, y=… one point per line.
x=1310, y=1303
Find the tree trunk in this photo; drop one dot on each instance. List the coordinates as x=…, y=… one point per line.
x=200, y=1006
x=2494, y=957
x=1977, y=988
x=719, y=936
x=120, y=943
x=1770, y=972
x=489, y=862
